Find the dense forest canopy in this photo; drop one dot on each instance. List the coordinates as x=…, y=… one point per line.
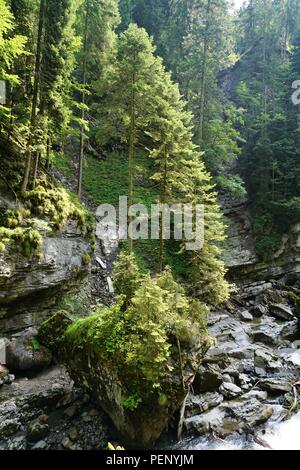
x=196, y=88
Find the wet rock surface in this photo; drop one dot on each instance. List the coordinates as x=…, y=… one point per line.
x=254, y=367
x=33, y=415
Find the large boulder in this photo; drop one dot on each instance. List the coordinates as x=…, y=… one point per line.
x=24, y=352
x=99, y=373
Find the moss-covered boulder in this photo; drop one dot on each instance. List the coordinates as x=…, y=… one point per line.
x=138, y=361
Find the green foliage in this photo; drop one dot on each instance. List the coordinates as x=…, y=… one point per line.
x=232, y=184
x=131, y=402
x=140, y=339
x=57, y=205
x=35, y=344
x=29, y=239
x=270, y=156
x=127, y=276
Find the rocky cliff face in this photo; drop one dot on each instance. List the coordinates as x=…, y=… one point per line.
x=30, y=286
x=244, y=266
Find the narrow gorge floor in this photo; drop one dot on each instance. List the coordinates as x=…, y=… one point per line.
x=247, y=385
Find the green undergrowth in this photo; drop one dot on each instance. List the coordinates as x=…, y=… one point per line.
x=48, y=202
x=105, y=180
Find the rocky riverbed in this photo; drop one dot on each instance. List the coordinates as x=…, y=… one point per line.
x=248, y=384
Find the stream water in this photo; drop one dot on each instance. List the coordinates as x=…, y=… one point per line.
x=278, y=436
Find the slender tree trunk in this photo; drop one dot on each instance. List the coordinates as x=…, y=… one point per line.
x=132, y=141
x=285, y=33
x=48, y=153
x=204, y=74
x=36, y=166
x=161, y=220
x=36, y=87
x=83, y=100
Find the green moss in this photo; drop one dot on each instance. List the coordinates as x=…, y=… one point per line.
x=86, y=259
x=28, y=239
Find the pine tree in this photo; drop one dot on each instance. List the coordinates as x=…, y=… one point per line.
x=12, y=46
x=97, y=28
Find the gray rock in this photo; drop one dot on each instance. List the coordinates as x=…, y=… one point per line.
x=110, y=285
x=227, y=378
x=197, y=404
x=71, y=411
x=101, y=263
x=207, y=379
x=37, y=431
x=18, y=443
x=230, y=390
x=245, y=415
x=41, y=445
x=258, y=394
x=216, y=355
x=245, y=352
x=263, y=361
x=24, y=353
x=9, y=427
x=40, y=282
x=206, y=422
x=282, y=312
x=260, y=310
x=276, y=386
x=266, y=333
x=246, y=316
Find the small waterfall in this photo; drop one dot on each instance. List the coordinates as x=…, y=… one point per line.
x=285, y=435
x=278, y=436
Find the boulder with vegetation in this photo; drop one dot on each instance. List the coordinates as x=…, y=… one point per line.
x=139, y=357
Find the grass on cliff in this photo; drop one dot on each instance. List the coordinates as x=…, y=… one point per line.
x=106, y=179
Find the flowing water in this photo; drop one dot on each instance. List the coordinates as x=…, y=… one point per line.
x=278, y=436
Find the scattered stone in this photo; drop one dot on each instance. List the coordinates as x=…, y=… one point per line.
x=41, y=445
x=293, y=358
x=110, y=285
x=275, y=386
x=3, y=372
x=199, y=404
x=9, y=427
x=18, y=443
x=230, y=390
x=67, y=443
x=227, y=378
x=37, y=431
x=71, y=411
x=282, y=312
x=266, y=333
x=246, y=316
x=260, y=310
x=262, y=362
x=216, y=355
x=206, y=422
x=207, y=379
x=258, y=394
x=24, y=352
x=73, y=434
x=101, y=263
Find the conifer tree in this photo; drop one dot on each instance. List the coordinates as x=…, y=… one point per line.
x=99, y=19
